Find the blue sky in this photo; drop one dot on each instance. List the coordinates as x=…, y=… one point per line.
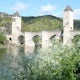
x=39, y=7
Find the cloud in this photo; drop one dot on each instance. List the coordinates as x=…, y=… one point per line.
x=47, y=9
x=20, y=6
x=76, y=13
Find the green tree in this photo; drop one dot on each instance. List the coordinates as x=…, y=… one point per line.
x=3, y=39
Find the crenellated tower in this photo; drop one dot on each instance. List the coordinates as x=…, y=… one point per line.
x=67, y=25
x=16, y=27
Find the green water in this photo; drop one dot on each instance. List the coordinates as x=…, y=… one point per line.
x=8, y=57
x=13, y=52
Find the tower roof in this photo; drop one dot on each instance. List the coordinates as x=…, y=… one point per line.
x=16, y=14
x=68, y=8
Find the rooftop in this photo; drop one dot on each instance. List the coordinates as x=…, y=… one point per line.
x=16, y=14
x=68, y=8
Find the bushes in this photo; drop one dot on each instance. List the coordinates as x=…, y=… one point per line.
x=2, y=38
x=57, y=63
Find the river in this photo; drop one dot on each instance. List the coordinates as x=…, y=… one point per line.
x=8, y=57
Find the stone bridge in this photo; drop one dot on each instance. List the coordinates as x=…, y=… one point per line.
x=68, y=32
x=45, y=36
x=75, y=33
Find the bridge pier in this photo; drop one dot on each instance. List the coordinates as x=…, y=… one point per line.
x=45, y=40
x=29, y=44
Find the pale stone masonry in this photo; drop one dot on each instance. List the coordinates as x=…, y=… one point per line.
x=67, y=25
x=16, y=27
x=68, y=31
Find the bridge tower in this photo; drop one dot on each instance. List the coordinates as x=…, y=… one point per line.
x=67, y=25
x=16, y=27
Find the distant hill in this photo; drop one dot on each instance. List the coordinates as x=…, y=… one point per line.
x=3, y=14
x=39, y=23
x=46, y=22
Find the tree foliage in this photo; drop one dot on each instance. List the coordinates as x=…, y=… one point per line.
x=76, y=39
x=57, y=63
x=2, y=38
x=41, y=23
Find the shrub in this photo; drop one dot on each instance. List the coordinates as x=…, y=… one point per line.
x=2, y=38
x=57, y=63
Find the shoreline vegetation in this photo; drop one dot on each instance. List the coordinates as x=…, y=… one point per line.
x=56, y=63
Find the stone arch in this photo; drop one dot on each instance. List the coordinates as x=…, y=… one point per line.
x=10, y=40
x=52, y=38
x=21, y=39
x=76, y=39
x=37, y=41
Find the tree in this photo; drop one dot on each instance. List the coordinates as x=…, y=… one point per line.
x=2, y=38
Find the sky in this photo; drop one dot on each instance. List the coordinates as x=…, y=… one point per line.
x=39, y=7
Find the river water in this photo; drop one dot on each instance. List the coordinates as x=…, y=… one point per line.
x=8, y=58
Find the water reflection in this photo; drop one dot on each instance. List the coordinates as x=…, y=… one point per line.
x=3, y=54
x=13, y=52
x=29, y=49
x=9, y=57
x=16, y=51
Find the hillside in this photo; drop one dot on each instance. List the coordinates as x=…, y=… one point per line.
x=46, y=22
x=39, y=23
x=77, y=24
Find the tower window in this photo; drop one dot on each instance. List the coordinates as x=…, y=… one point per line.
x=70, y=27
